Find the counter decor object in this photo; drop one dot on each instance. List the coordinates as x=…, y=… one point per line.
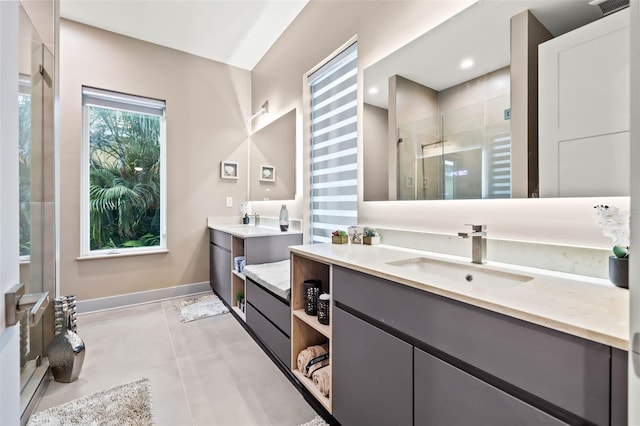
x=339, y=237
x=355, y=234
x=619, y=271
x=311, y=289
x=246, y=219
x=615, y=224
x=238, y=263
x=284, y=218
x=66, y=350
x=371, y=237
x=324, y=302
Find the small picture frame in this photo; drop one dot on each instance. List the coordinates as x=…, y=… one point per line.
x=267, y=174
x=228, y=170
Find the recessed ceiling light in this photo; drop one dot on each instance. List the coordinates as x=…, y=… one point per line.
x=467, y=63
x=373, y=90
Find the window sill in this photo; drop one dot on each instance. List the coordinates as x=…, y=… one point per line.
x=121, y=254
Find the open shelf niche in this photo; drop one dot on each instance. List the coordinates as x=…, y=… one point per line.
x=306, y=330
x=237, y=278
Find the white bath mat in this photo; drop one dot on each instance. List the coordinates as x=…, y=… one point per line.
x=200, y=307
x=316, y=421
x=128, y=404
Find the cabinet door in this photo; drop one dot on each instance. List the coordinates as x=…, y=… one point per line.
x=222, y=273
x=372, y=374
x=619, y=386
x=212, y=269
x=445, y=395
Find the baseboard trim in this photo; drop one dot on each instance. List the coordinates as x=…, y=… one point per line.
x=139, y=298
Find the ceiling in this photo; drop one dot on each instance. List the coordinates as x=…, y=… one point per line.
x=236, y=32
x=481, y=33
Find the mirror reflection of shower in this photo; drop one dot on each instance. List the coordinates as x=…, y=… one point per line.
x=463, y=149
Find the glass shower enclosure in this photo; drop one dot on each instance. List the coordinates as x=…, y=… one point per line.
x=36, y=136
x=464, y=153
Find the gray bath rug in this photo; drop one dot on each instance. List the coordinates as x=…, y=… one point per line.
x=200, y=307
x=317, y=421
x=128, y=404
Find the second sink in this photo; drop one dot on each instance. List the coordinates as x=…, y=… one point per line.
x=474, y=275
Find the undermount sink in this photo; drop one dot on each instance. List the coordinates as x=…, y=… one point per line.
x=476, y=275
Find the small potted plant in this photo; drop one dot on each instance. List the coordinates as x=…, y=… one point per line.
x=371, y=236
x=240, y=300
x=615, y=224
x=339, y=237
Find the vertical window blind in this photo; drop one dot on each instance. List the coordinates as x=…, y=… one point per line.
x=334, y=120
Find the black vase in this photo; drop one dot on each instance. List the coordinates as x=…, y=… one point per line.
x=619, y=271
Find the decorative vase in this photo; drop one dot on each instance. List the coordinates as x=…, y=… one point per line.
x=372, y=241
x=311, y=289
x=66, y=350
x=284, y=218
x=338, y=239
x=619, y=271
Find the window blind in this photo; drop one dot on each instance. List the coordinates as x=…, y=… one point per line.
x=122, y=101
x=334, y=120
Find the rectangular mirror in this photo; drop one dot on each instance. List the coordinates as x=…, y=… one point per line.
x=272, y=160
x=454, y=113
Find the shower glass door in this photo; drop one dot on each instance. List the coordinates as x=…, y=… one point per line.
x=36, y=199
x=464, y=153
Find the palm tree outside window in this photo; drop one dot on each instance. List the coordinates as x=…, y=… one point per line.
x=124, y=173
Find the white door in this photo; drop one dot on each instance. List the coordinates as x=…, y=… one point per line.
x=9, y=240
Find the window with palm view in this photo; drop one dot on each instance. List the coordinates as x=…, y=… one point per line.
x=24, y=166
x=124, y=138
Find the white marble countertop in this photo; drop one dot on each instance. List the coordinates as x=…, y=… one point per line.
x=586, y=307
x=248, y=231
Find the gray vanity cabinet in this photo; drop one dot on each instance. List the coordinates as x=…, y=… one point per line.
x=220, y=264
x=561, y=374
x=445, y=395
x=372, y=374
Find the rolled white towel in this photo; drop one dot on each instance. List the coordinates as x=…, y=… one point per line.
x=322, y=380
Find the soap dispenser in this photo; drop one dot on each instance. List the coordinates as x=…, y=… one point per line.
x=284, y=218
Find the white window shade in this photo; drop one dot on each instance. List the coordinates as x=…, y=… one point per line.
x=334, y=120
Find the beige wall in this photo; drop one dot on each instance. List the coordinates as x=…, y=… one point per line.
x=321, y=28
x=381, y=27
x=207, y=104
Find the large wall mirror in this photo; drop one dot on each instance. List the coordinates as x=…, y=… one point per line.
x=272, y=160
x=454, y=114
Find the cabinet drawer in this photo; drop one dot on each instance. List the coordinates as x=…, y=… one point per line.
x=569, y=372
x=270, y=306
x=219, y=238
x=444, y=395
x=269, y=334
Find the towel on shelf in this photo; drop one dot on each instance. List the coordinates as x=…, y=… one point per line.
x=312, y=358
x=322, y=380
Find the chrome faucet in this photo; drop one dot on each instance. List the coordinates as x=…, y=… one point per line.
x=478, y=242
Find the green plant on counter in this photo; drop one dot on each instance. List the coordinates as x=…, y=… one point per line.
x=370, y=232
x=339, y=233
x=239, y=297
x=615, y=224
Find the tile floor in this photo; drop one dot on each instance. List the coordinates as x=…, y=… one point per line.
x=206, y=372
